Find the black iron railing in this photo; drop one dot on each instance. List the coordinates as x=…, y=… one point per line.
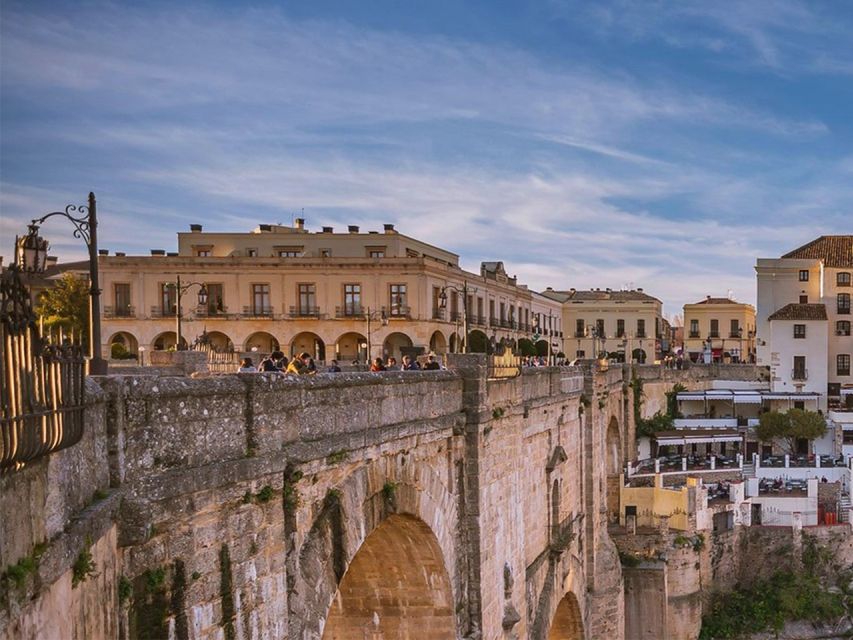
x=43, y=382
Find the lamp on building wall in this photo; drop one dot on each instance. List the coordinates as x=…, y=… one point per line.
x=31, y=257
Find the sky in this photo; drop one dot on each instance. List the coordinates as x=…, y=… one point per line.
x=655, y=144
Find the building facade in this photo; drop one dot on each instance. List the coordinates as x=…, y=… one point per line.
x=803, y=296
x=334, y=295
x=722, y=328
x=616, y=323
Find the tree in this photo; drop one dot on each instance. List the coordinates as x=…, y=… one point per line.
x=789, y=427
x=658, y=422
x=66, y=306
x=526, y=347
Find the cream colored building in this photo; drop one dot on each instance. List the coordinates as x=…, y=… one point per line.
x=804, y=316
x=609, y=321
x=722, y=328
x=330, y=294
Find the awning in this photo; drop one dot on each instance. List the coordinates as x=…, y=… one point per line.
x=685, y=440
x=847, y=392
x=790, y=396
x=747, y=397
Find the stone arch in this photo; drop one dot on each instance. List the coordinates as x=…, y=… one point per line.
x=220, y=341
x=395, y=587
x=453, y=344
x=167, y=340
x=541, y=348
x=568, y=620
x=395, y=344
x=262, y=342
x=613, y=455
x=639, y=355
x=310, y=343
x=126, y=340
x=438, y=343
x=349, y=347
x=350, y=513
x=478, y=342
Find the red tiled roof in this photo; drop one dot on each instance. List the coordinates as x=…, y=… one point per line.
x=835, y=251
x=800, y=312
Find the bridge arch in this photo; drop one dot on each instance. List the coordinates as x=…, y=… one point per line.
x=396, y=502
x=613, y=455
x=568, y=620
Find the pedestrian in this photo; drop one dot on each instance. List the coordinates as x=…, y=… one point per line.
x=300, y=366
x=333, y=367
x=431, y=364
x=247, y=366
x=391, y=364
x=410, y=364
x=378, y=365
x=270, y=364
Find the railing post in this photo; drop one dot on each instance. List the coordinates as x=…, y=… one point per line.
x=684, y=464
x=756, y=460
x=713, y=463
x=787, y=461
x=657, y=465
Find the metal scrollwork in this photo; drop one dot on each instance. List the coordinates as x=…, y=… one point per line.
x=80, y=222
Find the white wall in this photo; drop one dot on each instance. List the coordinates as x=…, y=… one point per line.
x=785, y=347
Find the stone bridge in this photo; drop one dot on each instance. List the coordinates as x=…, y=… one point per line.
x=396, y=505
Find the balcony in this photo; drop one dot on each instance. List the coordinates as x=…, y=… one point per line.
x=347, y=311
x=580, y=334
x=120, y=312
x=304, y=312
x=714, y=334
x=641, y=334
x=493, y=321
x=734, y=334
x=438, y=314
x=478, y=320
x=205, y=312
x=799, y=374
x=694, y=334
x=258, y=312
x=160, y=312
x=399, y=312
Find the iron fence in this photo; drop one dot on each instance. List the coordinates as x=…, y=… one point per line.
x=43, y=382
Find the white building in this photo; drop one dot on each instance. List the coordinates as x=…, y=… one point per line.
x=803, y=317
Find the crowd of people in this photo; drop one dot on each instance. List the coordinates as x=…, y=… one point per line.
x=303, y=364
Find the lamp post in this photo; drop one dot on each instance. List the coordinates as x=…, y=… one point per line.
x=180, y=290
x=740, y=344
x=442, y=296
x=370, y=315
x=32, y=258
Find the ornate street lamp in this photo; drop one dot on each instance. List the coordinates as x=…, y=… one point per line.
x=371, y=315
x=31, y=257
x=442, y=297
x=180, y=290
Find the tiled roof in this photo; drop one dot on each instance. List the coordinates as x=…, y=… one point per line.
x=800, y=312
x=718, y=301
x=835, y=251
x=601, y=295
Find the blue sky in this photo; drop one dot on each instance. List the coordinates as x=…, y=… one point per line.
x=659, y=144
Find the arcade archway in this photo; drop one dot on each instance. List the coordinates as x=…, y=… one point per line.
x=568, y=620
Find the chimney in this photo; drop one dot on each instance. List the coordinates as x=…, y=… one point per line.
x=103, y=252
x=328, y=229
x=158, y=252
x=389, y=228
x=707, y=297
x=549, y=288
x=172, y=254
x=373, y=232
x=120, y=254
x=299, y=223
x=640, y=289
x=608, y=289
x=353, y=228
x=195, y=228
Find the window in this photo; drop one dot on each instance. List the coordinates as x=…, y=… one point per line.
x=804, y=299
x=203, y=253
x=641, y=328
x=352, y=299
x=804, y=275
x=503, y=313
x=579, y=328
x=620, y=328
x=252, y=253
x=492, y=312
x=800, y=331
x=734, y=328
x=288, y=253
x=799, y=372
x=842, y=362
x=480, y=310
x=168, y=301
x=694, y=328
x=842, y=279
x=122, y=299
x=325, y=253
x=580, y=353
x=843, y=303
x=715, y=328
x=437, y=311
x=307, y=299
x=398, y=300
x=599, y=328
x=261, y=300
x=842, y=328
x=376, y=253
x=214, y=299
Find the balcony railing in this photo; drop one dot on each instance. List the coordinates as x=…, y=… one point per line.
x=348, y=311
x=478, y=320
x=734, y=334
x=120, y=312
x=799, y=374
x=258, y=312
x=304, y=312
x=399, y=311
x=160, y=312
x=693, y=334
x=207, y=312
x=493, y=321
x=456, y=316
x=438, y=314
x=580, y=334
x=641, y=334
x=714, y=334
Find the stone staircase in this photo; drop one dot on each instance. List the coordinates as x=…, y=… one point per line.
x=845, y=505
x=748, y=470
